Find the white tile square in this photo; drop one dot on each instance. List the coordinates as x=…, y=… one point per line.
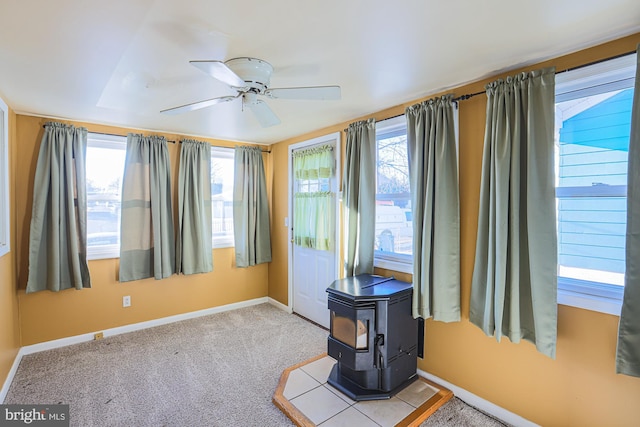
x=340, y=394
x=416, y=393
x=320, y=369
x=299, y=382
x=349, y=418
x=319, y=404
x=387, y=413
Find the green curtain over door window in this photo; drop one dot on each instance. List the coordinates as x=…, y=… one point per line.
x=313, y=203
x=628, y=352
x=250, y=208
x=147, y=242
x=359, y=197
x=194, y=236
x=433, y=173
x=514, y=284
x=58, y=231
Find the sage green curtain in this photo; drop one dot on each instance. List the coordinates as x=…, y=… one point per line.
x=250, y=208
x=58, y=231
x=628, y=352
x=313, y=208
x=194, y=236
x=514, y=284
x=147, y=242
x=433, y=175
x=359, y=197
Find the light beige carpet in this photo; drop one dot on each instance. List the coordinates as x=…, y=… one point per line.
x=217, y=370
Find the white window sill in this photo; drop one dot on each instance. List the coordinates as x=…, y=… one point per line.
x=223, y=246
x=590, y=296
x=223, y=242
x=601, y=298
x=103, y=252
x=95, y=253
x=589, y=302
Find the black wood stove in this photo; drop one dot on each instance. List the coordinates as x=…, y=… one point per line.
x=373, y=336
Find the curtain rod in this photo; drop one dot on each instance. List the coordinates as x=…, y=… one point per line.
x=172, y=142
x=577, y=67
x=471, y=95
x=597, y=62
x=459, y=98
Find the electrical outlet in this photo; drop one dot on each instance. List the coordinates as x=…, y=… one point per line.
x=126, y=301
x=98, y=335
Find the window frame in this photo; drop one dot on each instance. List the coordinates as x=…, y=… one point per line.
x=395, y=262
x=602, y=77
x=115, y=142
x=5, y=216
x=225, y=241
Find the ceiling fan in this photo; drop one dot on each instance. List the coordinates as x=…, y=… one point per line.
x=251, y=77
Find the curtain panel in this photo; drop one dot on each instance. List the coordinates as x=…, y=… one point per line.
x=58, y=231
x=628, y=351
x=359, y=197
x=194, y=235
x=313, y=208
x=514, y=284
x=314, y=163
x=433, y=175
x=147, y=242
x=313, y=220
x=250, y=208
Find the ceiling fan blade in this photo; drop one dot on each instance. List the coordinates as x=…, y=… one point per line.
x=263, y=113
x=219, y=70
x=198, y=105
x=312, y=93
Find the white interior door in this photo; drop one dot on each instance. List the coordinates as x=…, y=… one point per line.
x=311, y=271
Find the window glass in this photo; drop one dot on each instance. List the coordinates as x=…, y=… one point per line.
x=105, y=169
x=394, y=227
x=593, y=118
x=222, y=170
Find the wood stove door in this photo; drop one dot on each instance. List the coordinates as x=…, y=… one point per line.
x=352, y=335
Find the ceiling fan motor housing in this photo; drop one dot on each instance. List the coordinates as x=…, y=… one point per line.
x=255, y=72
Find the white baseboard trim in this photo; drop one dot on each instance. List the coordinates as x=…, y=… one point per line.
x=280, y=305
x=12, y=373
x=480, y=403
x=77, y=339
x=63, y=342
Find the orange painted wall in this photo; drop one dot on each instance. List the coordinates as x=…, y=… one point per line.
x=580, y=387
x=46, y=316
x=9, y=319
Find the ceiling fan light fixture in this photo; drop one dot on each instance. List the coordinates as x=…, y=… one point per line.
x=256, y=73
x=251, y=77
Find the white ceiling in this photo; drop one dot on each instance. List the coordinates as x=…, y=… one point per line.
x=120, y=62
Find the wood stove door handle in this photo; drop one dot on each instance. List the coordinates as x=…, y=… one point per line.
x=378, y=359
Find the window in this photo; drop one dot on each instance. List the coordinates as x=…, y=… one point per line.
x=394, y=226
x=593, y=118
x=4, y=179
x=105, y=169
x=222, y=171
